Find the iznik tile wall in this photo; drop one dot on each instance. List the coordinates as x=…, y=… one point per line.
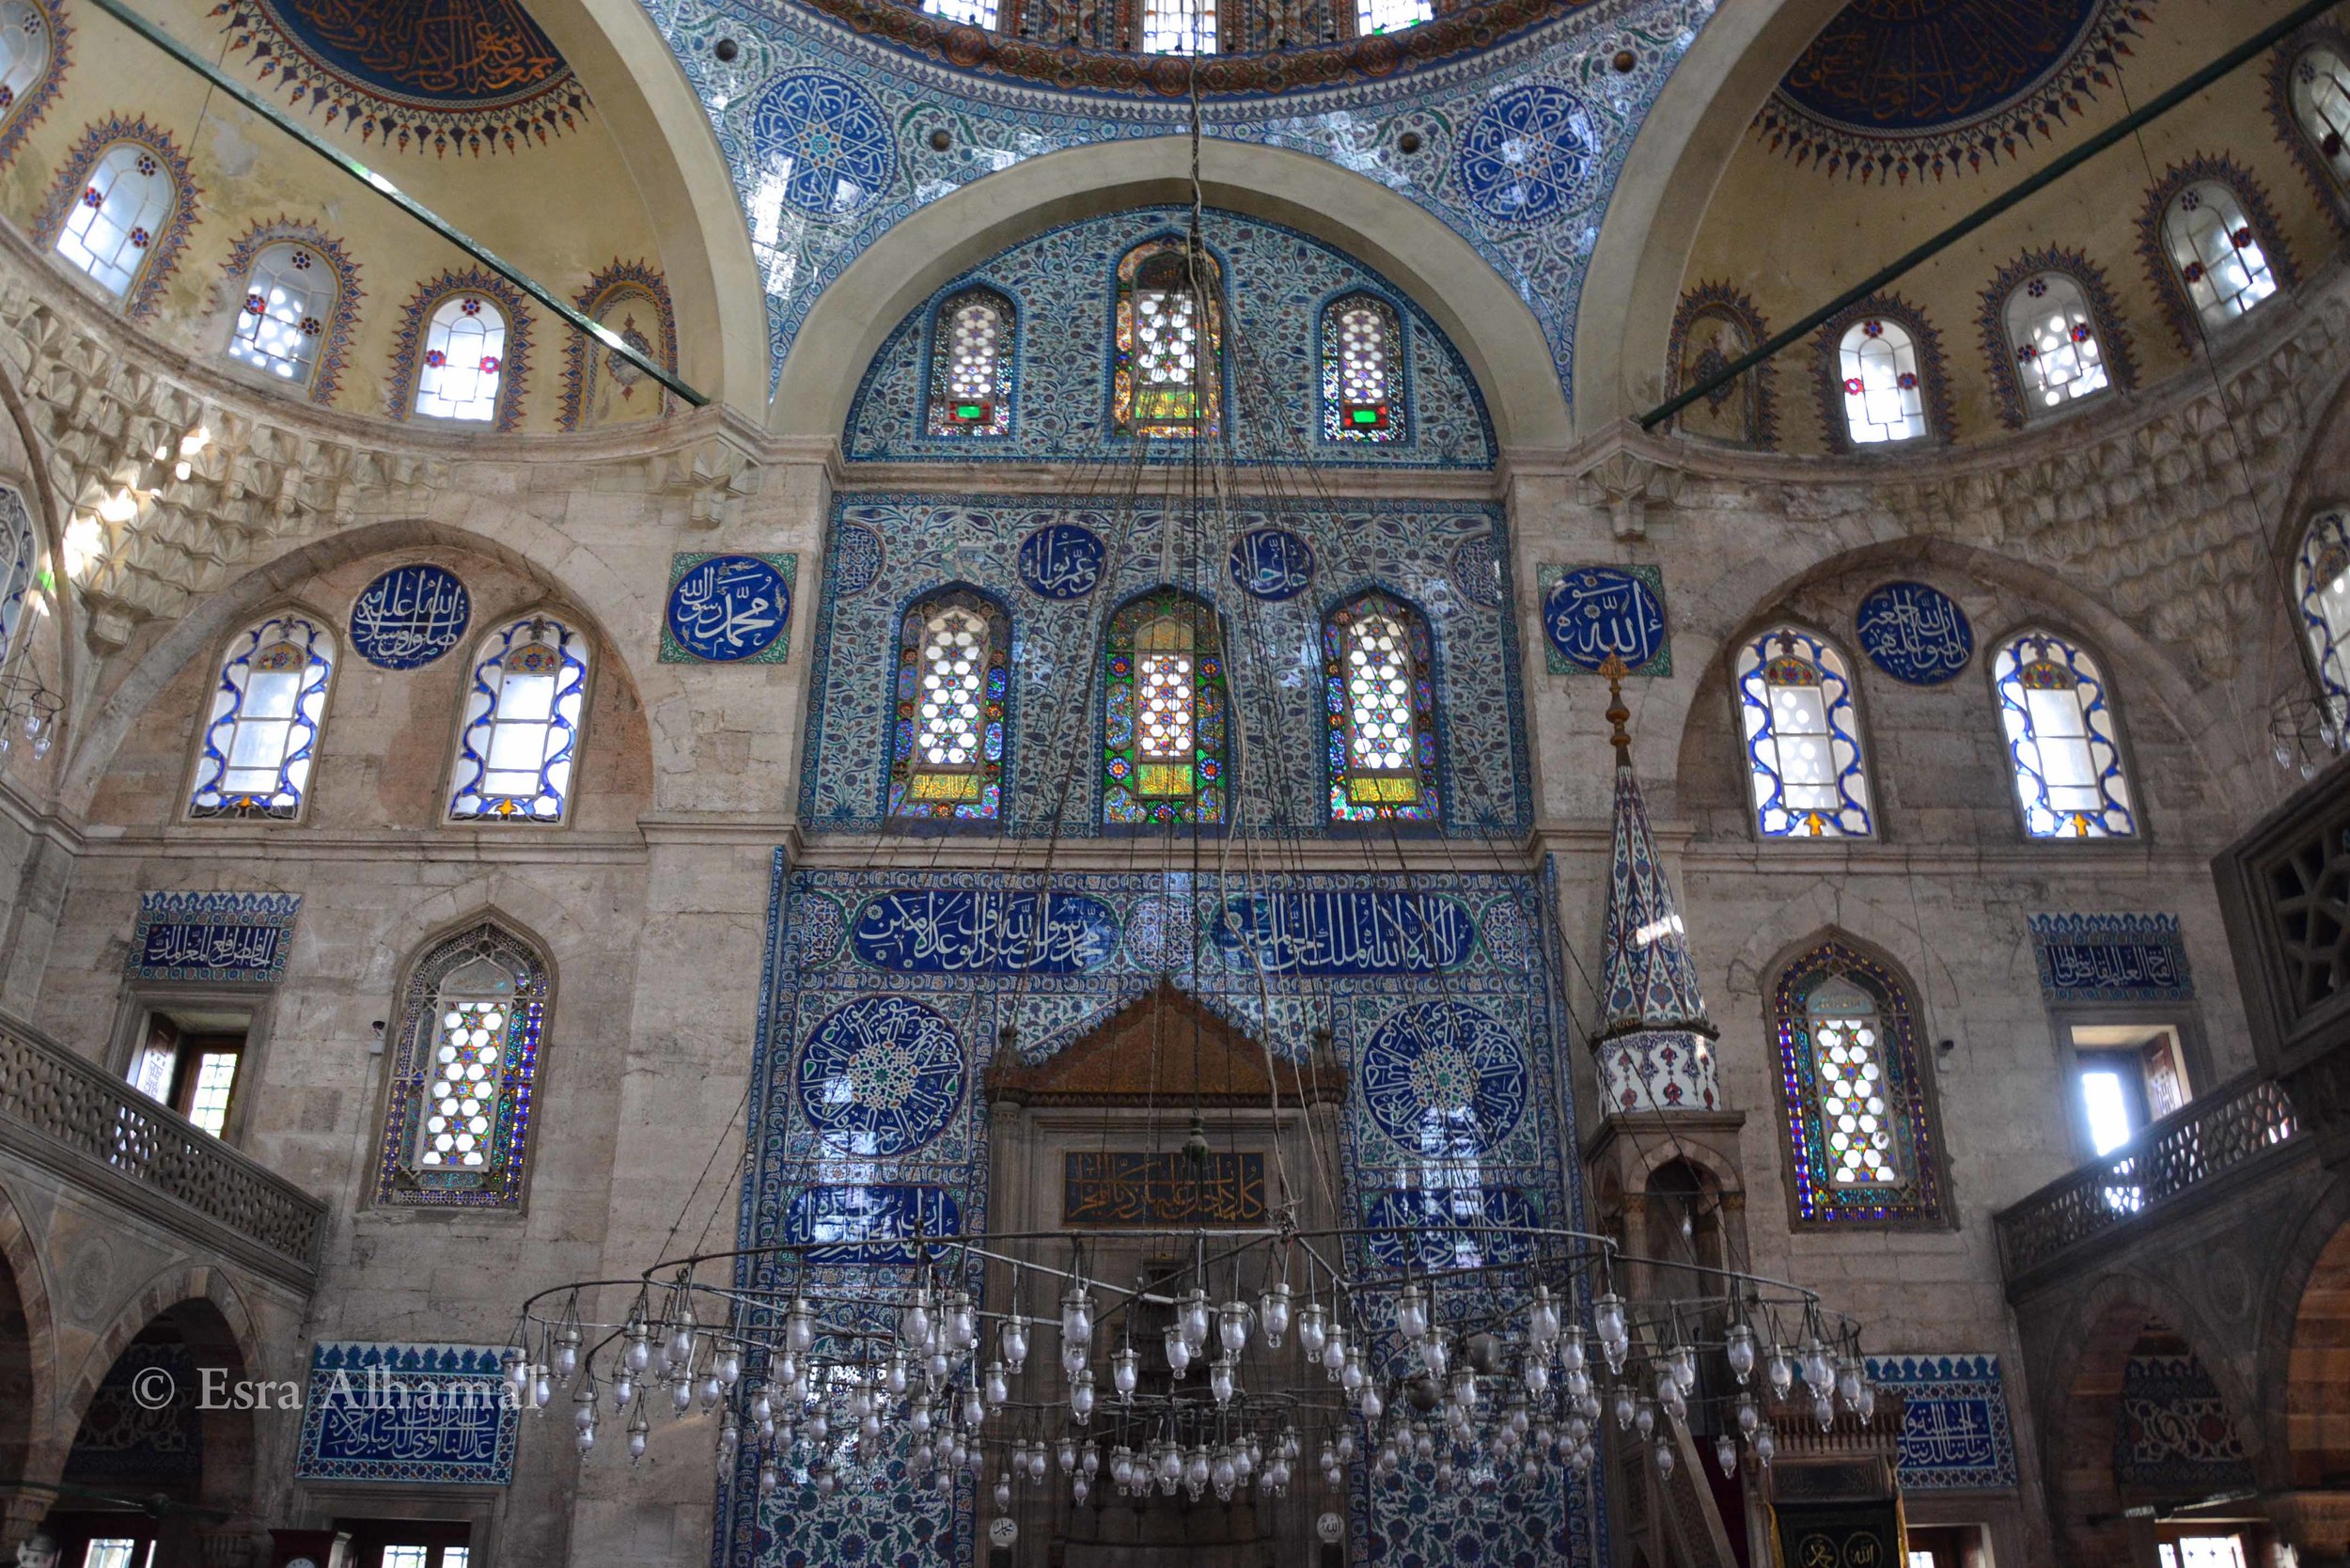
x=888, y=550
x=885, y=993
x=829, y=137
x=1276, y=282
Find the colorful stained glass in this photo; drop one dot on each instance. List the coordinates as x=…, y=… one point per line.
x=1378, y=666
x=467, y=1055
x=110, y=233
x=971, y=365
x=953, y=672
x=261, y=734
x=1803, y=738
x=524, y=715
x=1362, y=360
x=2322, y=582
x=1168, y=379
x=1858, y=1126
x=2061, y=740
x=2054, y=336
x=2211, y=244
x=1882, y=399
x=1166, y=713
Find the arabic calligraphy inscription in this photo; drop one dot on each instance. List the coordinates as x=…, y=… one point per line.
x=1590, y=612
x=1272, y=563
x=728, y=609
x=1915, y=633
x=1061, y=560
x=410, y=616
x=1113, y=1187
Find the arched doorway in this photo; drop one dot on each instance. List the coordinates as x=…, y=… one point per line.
x=153, y=1472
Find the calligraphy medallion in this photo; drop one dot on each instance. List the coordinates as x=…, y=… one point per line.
x=1590, y=612
x=881, y=1076
x=1443, y=1077
x=827, y=141
x=1477, y=571
x=728, y=609
x=1272, y=563
x=1529, y=154
x=1061, y=560
x=1915, y=633
x=410, y=616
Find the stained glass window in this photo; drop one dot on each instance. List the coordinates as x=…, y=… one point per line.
x=1390, y=16
x=971, y=362
x=459, y=1118
x=24, y=47
x=19, y=551
x=1165, y=714
x=1170, y=378
x=2055, y=339
x=464, y=356
x=2320, y=95
x=2218, y=256
x=1362, y=367
x=110, y=231
x=953, y=672
x=261, y=733
x=1179, y=27
x=973, y=13
x=1803, y=738
x=2322, y=582
x=1377, y=666
x=525, y=713
x=2061, y=741
x=1882, y=399
x=1852, y=1082
x=288, y=299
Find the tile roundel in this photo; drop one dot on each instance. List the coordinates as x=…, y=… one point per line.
x=1442, y=1077
x=1062, y=561
x=1530, y=154
x=827, y=140
x=1271, y=563
x=1914, y=633
x=410, y=616
x=881, y=1076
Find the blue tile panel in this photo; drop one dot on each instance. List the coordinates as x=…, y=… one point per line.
x=1956, y=1433
x=2112, y=958
x=213, y=936
x=410, y=1414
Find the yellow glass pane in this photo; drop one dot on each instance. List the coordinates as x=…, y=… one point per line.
x=1383, y=789
x=944, y=786
x=1163, y=778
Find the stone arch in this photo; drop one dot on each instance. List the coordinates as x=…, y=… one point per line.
x=2305, y=1350
x=600, y=597
x=29, y=1450
x=178, y=1284
x=1494, y=331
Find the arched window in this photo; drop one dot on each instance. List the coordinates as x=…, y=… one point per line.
x=1858, y=1123
x=1803, y=738
x=2217, y=257
x=261, y=731
x=127, y=203
x=1362, y=371
x=1390, y=16
x=2060, y=740
x=971, y=360
x=1883, y=400
x=1378, y=666
x=27, y=44
x=1715, y=326
x=1169, y=376
x=465, y=358
x=2319, y=92
x=954, y=653
x=1165, y=713
x=2321, y=581
x=2054, y=338
x=524, y=716
x=290, y=299
x=1179, y=27
x=629, y=300
x=20, y=549
x=457, y=1125
x=971, y=13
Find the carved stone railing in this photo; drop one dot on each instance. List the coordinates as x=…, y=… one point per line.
x=2237, y=1122
x=82, y=1114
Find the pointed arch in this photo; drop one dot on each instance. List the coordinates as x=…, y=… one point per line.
x=1880, y=379
x=464, y=350
x=1805, y=755
x=1167, y=377
x=975, y=353
x=523, y=722
x=258, y=741
x=1165, y=713
x=458, y=1111
x=1856, y=1100
x=2212, y=245
x=1379, y=676
x=631, y=300
x=299, y=303
x=120, y=209
x=950, y=690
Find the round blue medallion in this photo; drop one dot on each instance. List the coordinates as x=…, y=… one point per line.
x=1062, y=561
x=1594, y=611
x=410, y=616
x=857, y=557
x=880, y=1077
x=1272, y=563
x=1444, y=1079
x=728, y=608
x=1914, y=633
x=825, y=138
x=1529, y=154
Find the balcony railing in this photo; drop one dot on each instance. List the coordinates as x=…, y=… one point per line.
x=72, y=1103
x=2210, y=1136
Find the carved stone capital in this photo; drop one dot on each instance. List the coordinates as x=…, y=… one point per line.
x=1627, y=484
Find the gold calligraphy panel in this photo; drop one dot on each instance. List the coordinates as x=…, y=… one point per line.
x=1113, y=1187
